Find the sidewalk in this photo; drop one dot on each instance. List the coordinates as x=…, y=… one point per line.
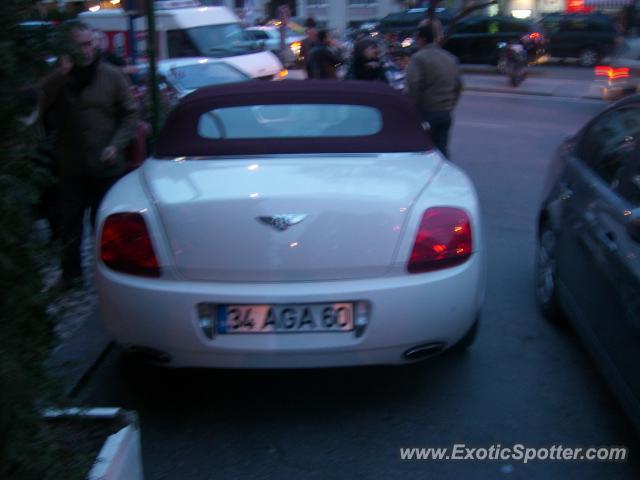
x=482, y=78
x=82, y=341
x=532, y=86
x=73, y=361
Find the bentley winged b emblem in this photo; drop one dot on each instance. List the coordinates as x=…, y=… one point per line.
x=283, y=221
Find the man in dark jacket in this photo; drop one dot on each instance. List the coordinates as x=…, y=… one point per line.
x=323, y=58
x=309, y=42
x=96, y=116
x=433, y=84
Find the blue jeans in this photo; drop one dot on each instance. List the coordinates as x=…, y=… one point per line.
x=440, y=123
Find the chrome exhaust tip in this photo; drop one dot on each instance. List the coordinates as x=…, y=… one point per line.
x=424, y=351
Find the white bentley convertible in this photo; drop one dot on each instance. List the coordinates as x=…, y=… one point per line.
x=291, y=224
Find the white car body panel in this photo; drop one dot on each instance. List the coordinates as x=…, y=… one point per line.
x=257, y=65
x=165, y=67
x=116, y=19
x=115, y=23
x=404, y=310
x=353, y=226
x=273, y=42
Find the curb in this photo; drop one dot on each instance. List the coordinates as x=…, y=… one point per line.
x=76, y=385
x=74, y=360
x=517, y=91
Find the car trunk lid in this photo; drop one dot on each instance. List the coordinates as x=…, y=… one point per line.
x=290, y=218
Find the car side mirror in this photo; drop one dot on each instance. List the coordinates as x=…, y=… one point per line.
x=571, y=144
x=633, y=226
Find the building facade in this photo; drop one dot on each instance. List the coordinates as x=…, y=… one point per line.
x=338, y=14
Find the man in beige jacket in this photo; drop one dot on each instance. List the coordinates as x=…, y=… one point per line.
x=433, y=84
x=96, y=116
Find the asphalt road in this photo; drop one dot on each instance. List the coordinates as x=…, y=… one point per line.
x=563, y=70
x=523, y=381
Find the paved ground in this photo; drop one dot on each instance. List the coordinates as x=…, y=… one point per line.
x=82, y=340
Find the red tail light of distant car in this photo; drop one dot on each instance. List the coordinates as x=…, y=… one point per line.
x=536, y=37
x=611, y=73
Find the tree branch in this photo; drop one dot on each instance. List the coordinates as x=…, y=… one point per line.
x=433, y=6
x=471, y=9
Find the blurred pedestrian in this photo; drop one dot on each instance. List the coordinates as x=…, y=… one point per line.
x=434, y=84
x=324, y=58
x=96, y=116
x=366, y=63
x=309, y=42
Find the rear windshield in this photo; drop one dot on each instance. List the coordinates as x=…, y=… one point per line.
x=224, y=40
x=290, y=121
x=195, y=76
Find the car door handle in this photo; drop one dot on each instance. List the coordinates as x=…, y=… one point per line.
x=608, y=240
x=565, y=191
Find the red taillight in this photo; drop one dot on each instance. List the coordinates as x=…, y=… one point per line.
x=601, y=71
x=619, y=73
x=443, y=240
x=611, y=73
x=125, y=245
x=536, y=37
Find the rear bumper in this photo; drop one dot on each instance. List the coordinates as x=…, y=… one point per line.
x=614, y=90
x=404, y=312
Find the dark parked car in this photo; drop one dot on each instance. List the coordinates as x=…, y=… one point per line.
x=404, y=24
x=621, y=75
x=588, y=256
x=477, y=39
x=587, y=37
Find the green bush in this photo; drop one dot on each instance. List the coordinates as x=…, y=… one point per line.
x=26, y=332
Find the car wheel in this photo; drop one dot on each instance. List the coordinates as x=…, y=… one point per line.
x=546, y=275
x=588, y=57
x=502, y=65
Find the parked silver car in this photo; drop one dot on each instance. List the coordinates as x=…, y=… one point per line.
x=270, y=37
x=178, y=77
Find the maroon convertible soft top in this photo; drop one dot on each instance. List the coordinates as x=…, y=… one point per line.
x=401, y=129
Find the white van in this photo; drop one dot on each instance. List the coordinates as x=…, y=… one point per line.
x=193, y=31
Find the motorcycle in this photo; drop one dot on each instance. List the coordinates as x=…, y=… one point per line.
x=513, y=62
x=395, y=59
x=394, y=71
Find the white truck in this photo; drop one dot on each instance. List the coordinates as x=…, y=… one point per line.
x=192, y=30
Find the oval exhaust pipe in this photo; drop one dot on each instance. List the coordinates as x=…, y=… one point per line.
x=424, y=351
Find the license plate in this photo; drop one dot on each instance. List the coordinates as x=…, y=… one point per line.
x=325, y=317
